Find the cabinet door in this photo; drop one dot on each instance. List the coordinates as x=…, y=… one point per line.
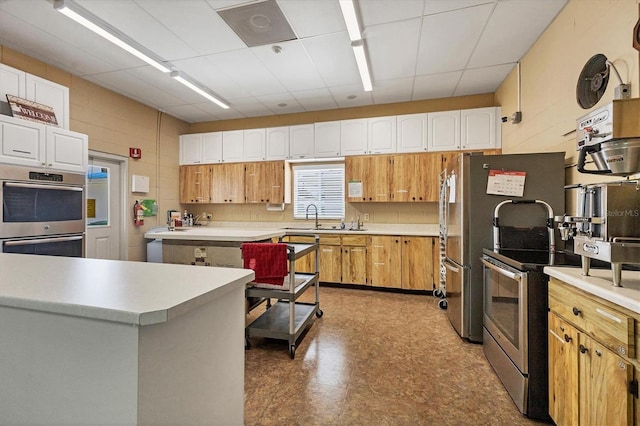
x=254, y=145
x=191, y=149
x=327, y=139
x=227, y=183
x=272, y=179
x=277, y=143
x=211, y=147
x=444, y=131
x=563, y=371
x=417, y=267
x=412, y=132
x=52, y=94
x=301, y=141
x=330, y=263
x=353, y=137
x=378, y=178
x=233, y=146
x=381, y=133
x=67, y=150
x=430, y=164
x=604, y=381
x=12, y=82
x=22, y=142
x=408, y=182
x=355, y=173
x=195, y=184
x=479, y=128
x=384, y=261
x=354, y=265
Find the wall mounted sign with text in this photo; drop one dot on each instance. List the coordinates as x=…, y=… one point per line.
x=33, y=111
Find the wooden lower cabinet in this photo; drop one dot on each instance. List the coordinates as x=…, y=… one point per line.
x=384, y=261
x=593, y=361
x=401, y=262
x=354, y=259
x=417, y=263
x=330, y=258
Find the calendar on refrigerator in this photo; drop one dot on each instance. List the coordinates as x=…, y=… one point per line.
x=507, y=183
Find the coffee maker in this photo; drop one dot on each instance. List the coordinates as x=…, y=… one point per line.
x=607, y=223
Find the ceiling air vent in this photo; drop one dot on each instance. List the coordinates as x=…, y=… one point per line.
x=258, y=24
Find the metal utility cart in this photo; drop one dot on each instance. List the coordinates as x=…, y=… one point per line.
x=288, y=318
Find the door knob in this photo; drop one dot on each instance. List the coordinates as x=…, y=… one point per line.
x=576, y=311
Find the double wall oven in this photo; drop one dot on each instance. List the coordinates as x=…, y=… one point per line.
x=43, y=212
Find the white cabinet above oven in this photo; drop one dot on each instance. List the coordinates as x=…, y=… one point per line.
x=27, y=143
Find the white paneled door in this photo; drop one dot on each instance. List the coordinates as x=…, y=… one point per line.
x=105, y=214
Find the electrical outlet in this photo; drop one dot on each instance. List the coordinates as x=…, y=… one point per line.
x=366, y=217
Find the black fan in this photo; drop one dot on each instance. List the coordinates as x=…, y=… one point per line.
x=592, y=81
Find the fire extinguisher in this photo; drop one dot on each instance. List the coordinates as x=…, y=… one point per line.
x=138, y=214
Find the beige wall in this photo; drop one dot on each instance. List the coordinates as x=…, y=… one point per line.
x=114, y=123
x=550, y=70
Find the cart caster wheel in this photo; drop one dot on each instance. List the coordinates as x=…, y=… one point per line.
x=442, y=304
x=437, y=293
x=247, y=345
x=319, y=313
x=292, y=351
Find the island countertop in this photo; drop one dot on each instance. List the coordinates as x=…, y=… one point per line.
x=120, y=291
x=217, y=234
x=599, y=283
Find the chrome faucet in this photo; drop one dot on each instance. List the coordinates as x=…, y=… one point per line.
x=359, y=224
x=307, y=214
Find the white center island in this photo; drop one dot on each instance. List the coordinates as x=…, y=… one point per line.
x=85, y=341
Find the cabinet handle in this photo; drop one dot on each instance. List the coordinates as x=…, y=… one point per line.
x=598, y=353
x=562, y=328
x=567, y=338
x=583, y=349
x=576, y=311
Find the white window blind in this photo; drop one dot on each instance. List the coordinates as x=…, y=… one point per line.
x=319, y=184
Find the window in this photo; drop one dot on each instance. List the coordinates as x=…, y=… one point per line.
x=321, y=185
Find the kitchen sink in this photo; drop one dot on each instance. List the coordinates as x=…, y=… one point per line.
x=299, y=228
x=358, y=230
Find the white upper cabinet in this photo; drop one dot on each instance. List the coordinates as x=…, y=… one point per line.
x=67, y=150
x=233, y=146
x=12, y=82
x=301, y=141
x=254, y=145
x=52, y=94
x=327, y=139
x=24, y=85
x=211, y=147
x=412, y=132
x=443, y=132
x=353, y=136
x=191, y=149
x=481, y=128
x=33, y=144
x=277, y=143
x=381, y=135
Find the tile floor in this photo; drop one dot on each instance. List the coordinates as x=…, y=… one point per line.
x=375, y=358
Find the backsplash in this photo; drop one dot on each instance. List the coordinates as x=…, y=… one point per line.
x=393, y=213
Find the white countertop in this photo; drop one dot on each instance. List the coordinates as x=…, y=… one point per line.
x=600, y=283
x=136, y=293
x=217, y=234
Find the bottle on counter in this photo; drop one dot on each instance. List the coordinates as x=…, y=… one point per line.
x=342, y=225
x=351, y=226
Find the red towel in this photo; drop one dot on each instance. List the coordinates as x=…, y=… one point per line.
x=268, y=261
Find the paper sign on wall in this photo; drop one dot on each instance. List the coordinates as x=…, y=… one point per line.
x=507, y=183
x=355, y=188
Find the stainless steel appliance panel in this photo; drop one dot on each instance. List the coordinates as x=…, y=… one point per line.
x=469, y=223
x=455, y=284
x=64, y=245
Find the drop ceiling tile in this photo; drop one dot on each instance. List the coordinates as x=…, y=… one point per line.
x=303, y=17
x=482, y=80
x=391, y=91
x=448, y=39
x=292, y=66
x=333, y=58
x=272, y=101
x=392, y=49
x=435, y=86
x=205, y=71
x=439, y=6
x=135, y=22
x=512, y=29
x=189, y=113
x=249, y=107
x=341, y=94
x=381, y=12
x=196, y=23
x=315, y=100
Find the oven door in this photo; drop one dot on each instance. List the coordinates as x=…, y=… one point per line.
x=72, y=245
x=30, y=208
x=505, y=304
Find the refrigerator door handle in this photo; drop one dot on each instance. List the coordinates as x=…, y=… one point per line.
x=450, y=266
x=509, y=274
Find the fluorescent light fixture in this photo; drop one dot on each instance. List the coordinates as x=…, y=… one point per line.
x=351, y=19
x=98, y=26
x=363, y=67
x=196, y=87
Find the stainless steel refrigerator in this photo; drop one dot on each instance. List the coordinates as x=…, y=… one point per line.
x=468, y=216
